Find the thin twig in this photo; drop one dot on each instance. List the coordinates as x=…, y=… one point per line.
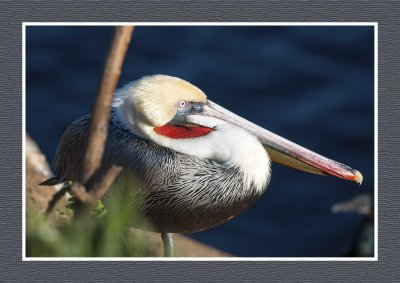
x=106, y=182
x=98, y=191
x=101, y=109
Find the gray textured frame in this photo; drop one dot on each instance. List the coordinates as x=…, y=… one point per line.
x=12, y=15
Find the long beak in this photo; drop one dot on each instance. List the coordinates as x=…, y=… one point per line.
x=284, y=151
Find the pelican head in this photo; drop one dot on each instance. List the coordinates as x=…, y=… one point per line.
x=176, y=114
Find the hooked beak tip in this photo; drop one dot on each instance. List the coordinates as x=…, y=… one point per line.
x=358, y=177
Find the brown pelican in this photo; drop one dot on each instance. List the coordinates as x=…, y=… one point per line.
x=199, y=164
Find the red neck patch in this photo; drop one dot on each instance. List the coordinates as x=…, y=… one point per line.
x=176, y=132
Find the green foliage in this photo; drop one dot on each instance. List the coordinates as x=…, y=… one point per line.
x=99, y=210
x=93, y=232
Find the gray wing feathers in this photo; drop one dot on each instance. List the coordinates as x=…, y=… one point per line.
x=151, y=165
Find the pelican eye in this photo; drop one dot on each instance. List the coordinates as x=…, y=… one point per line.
x=182, y=104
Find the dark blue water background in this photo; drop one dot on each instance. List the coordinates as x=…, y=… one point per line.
x=312, y=85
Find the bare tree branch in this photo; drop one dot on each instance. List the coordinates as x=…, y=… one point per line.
x=99, y=124
x=101, y=109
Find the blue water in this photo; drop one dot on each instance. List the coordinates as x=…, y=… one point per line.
x=312, y=85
